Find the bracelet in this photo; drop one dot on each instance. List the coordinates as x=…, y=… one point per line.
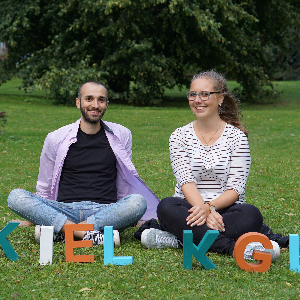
x=211, y=207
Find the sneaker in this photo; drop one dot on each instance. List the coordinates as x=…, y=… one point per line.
x=98, y=237
x=258, y=246
x=57, y=237
x=155, y=238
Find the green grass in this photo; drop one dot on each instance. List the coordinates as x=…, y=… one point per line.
x=273, y=186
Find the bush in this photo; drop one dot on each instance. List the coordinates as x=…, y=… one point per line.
x=62, y=84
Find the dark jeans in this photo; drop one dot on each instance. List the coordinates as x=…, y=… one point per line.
x=238, y=219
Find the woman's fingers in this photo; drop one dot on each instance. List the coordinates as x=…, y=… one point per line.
x=197, y=216
x=215, y=222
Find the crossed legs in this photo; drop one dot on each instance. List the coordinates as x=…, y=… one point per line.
x=238, y=219
x=122, y=214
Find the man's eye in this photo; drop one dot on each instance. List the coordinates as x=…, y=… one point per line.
x=102, y=100
x=88, y=98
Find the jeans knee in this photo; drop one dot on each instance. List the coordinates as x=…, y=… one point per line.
x=255, y=217
x=164, y=206
x=258, y=216
x=139, y=202
x=15, y=197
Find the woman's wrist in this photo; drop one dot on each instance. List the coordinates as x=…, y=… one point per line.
x=207, y=209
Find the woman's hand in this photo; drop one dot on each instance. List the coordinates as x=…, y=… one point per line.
x=215, y=221
x=198, y=215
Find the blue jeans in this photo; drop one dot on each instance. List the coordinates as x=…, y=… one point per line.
x=121, y=215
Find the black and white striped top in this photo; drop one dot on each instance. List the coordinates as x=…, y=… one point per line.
x=225, y=165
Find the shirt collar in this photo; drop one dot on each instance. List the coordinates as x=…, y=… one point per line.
x=106, y=127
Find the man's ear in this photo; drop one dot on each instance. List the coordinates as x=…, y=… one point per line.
x=77, y=103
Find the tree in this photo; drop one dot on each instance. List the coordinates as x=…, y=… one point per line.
x=139, y=48
x=286, y=60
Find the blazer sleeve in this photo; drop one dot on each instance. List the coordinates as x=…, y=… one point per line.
x=47, y=162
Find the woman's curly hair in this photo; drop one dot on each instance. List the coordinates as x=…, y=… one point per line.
x=229, y=111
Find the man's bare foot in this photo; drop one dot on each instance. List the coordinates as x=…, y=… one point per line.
x=23, y=223
x=140, y=223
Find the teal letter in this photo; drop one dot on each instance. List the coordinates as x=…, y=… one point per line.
x=5, y=244
x=190, y=249
x=109, y=257
x=294, y=252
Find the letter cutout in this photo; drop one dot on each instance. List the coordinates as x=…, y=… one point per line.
x=109, y=257
x=264, y=257
x=5, y=244
x=46, y=245
x=70, y=244
x=294, y=252
x=190, y=249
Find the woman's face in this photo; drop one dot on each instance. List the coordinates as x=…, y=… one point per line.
x=210, y=107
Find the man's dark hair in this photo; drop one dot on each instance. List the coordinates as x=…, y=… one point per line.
x=95, y=82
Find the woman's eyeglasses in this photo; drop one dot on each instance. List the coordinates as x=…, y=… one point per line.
x=204, y=96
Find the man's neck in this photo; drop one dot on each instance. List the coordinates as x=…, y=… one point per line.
x=89, y=128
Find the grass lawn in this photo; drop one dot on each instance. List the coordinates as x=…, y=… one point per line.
x=273, y=186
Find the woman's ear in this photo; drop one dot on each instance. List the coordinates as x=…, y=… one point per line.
x=221, y=99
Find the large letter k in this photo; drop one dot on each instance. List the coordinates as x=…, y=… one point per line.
x=5, y=244
x=190, y=249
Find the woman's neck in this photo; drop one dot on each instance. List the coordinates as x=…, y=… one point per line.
x=209, y=125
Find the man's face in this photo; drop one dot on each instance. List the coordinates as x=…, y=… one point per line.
x=93, y=103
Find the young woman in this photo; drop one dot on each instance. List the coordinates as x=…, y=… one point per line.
x=211, y=161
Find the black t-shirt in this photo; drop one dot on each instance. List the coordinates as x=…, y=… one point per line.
x=89, y=171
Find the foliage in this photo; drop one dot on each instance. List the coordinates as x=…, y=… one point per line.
x=62, y=84
x=150, y=43
x=286, y=60
x=3, y=119
x=273, y=186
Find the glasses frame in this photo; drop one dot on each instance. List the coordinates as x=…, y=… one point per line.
x=198, y=94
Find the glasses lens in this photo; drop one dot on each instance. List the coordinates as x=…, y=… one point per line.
x=204, y=95
x=191, y=95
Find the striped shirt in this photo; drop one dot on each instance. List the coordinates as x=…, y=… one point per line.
x=225, y=165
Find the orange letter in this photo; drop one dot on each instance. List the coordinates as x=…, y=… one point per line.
x=264, y=257
x=70, y=244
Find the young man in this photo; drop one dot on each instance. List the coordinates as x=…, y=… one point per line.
x=86, y=176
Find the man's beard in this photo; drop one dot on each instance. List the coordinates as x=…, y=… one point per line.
x=90, y=120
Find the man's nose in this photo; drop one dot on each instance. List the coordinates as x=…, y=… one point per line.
x=95, y=103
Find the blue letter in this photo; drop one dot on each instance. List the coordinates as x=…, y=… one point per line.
x=6, y=246
x=294, y=252
x=109, y=257
x=190, y=249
